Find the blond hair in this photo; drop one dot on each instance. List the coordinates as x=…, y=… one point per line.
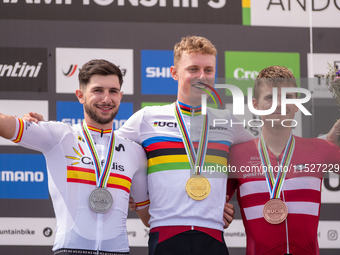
x=193, y=44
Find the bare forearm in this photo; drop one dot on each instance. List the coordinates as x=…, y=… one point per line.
x=7, y=126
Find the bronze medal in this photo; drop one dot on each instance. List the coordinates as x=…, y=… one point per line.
x=100, y=200
x=275, y=211
x=198, y=187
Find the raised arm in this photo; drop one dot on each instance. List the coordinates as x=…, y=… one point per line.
x=7, y=126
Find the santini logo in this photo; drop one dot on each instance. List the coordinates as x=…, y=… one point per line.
x=20, y=70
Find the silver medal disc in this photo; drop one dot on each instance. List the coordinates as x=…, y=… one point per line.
x=100, y=200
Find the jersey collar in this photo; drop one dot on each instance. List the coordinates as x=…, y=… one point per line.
x=190, y=110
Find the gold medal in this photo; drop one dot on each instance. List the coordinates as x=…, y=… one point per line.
x=198, y=187
x=275, y=211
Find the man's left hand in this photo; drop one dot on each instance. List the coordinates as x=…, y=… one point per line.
x=228, y=214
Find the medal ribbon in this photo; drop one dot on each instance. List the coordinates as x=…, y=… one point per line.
x=194, y=160
x=275, y=185
x=102, y=175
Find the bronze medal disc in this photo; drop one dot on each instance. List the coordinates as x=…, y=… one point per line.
x=198, y=187
x=275, y=211
x=100, y=200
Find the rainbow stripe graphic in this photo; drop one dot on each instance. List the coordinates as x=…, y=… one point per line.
x=167, y=154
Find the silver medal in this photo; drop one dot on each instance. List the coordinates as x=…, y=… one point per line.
x=100, y=200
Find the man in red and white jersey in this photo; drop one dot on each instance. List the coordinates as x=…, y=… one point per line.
x=280, y=209
x=91, y=171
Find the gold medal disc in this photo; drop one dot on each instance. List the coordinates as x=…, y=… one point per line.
x=275, y=211
x=198, y=187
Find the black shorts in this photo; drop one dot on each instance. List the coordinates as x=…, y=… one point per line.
x=192, y=242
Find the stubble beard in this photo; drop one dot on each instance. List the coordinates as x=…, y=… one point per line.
x=91, y=113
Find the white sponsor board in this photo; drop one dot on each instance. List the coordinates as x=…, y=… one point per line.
x=19, y=108
x=41, y=232
x=288, y=13
x=328, y=234
x=319, y=67
x=235, y=235
x=249, y=121
x=70, y=60
x=27, y=231
x=331, y=196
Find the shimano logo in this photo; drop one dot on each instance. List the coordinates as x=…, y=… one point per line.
x=157, y=72
x=20, y=70
x=27, y=176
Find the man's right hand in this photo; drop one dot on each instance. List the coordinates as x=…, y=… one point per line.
x=33, y=117
x=132, y=204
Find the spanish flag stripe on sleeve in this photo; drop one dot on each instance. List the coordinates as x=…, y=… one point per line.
x=143, y=203
x=20, y=131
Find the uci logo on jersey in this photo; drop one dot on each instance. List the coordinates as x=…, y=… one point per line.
x=164, y=124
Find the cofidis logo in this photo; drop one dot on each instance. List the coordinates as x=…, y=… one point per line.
x=73, y=113
x=242, y=67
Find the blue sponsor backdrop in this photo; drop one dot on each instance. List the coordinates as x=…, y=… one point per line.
x=23, y=176
x=73, y=113
x=156, y=77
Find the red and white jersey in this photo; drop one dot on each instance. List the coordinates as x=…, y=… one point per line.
x=71, y=179
x=301, y=193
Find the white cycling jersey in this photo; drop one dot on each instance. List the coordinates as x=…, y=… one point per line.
x=157, y=130
x=71, y=179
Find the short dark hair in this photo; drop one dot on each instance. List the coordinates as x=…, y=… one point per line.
x=274, y=75
x=100, y=67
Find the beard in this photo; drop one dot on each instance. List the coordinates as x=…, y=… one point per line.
x=100, y=120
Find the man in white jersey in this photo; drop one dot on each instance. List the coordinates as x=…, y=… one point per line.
x=91, y=170
x=182, y=221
